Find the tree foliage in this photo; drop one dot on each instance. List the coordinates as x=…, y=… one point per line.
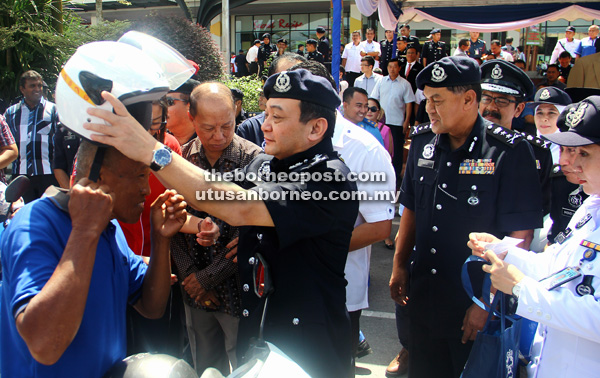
x=251, y=86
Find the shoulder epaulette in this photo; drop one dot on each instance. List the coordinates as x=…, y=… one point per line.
x=536, y=141
x=505, y=136
x=420, y=129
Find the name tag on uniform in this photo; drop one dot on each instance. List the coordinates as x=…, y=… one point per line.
x=425, y=163
x=561, y=277
x=477, y=167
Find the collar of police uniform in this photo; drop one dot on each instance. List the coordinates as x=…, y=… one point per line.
x=324, y=147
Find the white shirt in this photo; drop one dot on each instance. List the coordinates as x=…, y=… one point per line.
x=368, y=84
x=252, y=54
x=506, y=56
x=564, y=45
x=363, y=153
x=352, y=56
x=459, y=52
x=374, y=46
x=393, y=95
x=567, y=342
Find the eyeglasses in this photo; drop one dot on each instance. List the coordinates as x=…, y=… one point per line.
x=158, y=123
x=501, y=102
x=171, y=101
x=373, y=109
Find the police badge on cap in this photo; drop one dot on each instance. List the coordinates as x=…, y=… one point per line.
x=450, y=71
x=582, y=120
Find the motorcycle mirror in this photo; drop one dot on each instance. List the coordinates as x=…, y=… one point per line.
x=263, y=285
x=16, y=188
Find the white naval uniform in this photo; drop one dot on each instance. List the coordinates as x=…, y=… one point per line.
x=567, y=342
x=363, y=153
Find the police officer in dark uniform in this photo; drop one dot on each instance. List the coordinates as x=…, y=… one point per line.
x=505, y=88
x=323, y=43
x=402, y=44
x=387, y=50
x=311, y=51
x=264, y=51
x=66, y=144
x=435, y=49
x=460, y=176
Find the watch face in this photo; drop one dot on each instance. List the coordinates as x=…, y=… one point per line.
x=162, y=157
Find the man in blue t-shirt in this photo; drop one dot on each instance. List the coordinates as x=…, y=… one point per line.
x=68, y=273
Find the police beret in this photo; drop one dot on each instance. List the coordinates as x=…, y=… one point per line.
x=266, y=35
x=256, y=41
x=551, y=95
x=187, y=87
x=436, y=30
x=282, y=40
x=311, y=41
x=450, y=71
x=503, y=77
x=583, y=120
x=320, y=29
x=304, y=86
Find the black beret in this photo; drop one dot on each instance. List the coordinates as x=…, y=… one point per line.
x=187, y=87
x=311, y=41
x=436, y=30
x=583, y=120
x=320, y=29
x=450, y=71
x=266, y=35
x=282, y=40
x=551, y=95
x=503, y=77
x=237, y=94
x=304, y=86
x=256, y=41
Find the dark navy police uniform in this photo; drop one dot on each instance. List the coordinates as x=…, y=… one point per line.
x=434, y=51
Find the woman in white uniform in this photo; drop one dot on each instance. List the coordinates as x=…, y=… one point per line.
x=560, y=287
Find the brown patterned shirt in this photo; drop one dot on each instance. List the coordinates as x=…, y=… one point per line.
x=212, y=269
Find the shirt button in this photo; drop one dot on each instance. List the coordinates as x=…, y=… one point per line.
x=259, y=236
x=438, y=206
x=444, y=186
x=421, y=179
x=245, y=313
x=474, y=187
x=251, y=261
x=548, y=316
x=589, y=266
x=295, y=321
x=433, y=271
x=530, y=309
x=449, y=164
x=539, y=312
x=246, y=287
x=434, y=229
x=433, y=251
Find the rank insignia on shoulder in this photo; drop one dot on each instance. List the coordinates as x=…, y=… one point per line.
x=536, y=141
x=506, y=136
x=477, y=167
x=420, y=129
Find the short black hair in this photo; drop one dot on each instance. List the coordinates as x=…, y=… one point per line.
x=519, y=61
x=237, y=94
x=509, y=39
x=29, y=75
x=565, y=54
x=405, y=26
x=460, y=89
x=463, y=42
x=394, y=60
x=349, y=93
x=495, y=42
x=369, y=59
x=553, y=65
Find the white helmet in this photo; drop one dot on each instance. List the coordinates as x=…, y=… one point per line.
x=138, y=70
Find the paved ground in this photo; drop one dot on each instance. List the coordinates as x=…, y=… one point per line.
x=378, y=321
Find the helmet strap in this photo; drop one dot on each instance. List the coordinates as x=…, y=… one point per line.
x=97, y=164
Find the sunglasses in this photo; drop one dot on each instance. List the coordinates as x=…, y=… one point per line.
x=171, y=101
x=373, y=109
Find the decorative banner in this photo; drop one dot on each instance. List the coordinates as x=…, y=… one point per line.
x=389, y=12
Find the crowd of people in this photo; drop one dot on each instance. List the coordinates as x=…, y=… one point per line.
x=114, y=230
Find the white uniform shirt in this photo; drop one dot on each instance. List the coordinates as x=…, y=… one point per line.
x=564, y=45
x=393, y=95
x=567, y=342
x=252, y=54
x=363, y=153
x=352, y=56
x=374, y=46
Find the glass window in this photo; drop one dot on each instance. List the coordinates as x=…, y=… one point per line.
x=263, y=24
x=298, y=37
x=299, y=22
x=318, y=19
x=281, y=22
x=243, y=23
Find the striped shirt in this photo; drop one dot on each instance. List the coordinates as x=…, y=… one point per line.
x=33, y=130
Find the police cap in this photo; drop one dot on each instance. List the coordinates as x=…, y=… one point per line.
x=571, y=29
x=551, y=95
x=434, y=31
x=450, y=71
x=403, y=38
x=320, y=30
x=256, y=41
x=266, y=35
x=583, y=120
x=187, y=87
x=501, y=76
x=304, y=86
x=311, y=41
x=282, y=40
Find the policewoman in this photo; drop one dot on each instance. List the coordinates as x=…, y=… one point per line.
x=560, y=288
x=461, y=175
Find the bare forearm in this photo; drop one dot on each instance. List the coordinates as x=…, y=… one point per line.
x=369, y=233
x=52, y=318
x=62, y=178
x=7, y=155
x=526, y=235
x=157, y=282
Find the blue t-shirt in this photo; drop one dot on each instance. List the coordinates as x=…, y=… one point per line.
x=32, y=246
x=371, y=127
